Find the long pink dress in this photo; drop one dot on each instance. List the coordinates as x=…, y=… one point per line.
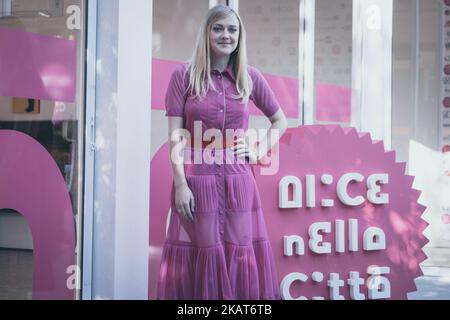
x=225, y=252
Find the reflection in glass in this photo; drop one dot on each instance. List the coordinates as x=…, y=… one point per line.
x=273, y=29
x=333, y=61
x=42, y=41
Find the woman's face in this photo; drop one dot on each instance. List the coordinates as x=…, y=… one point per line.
x=224, y=36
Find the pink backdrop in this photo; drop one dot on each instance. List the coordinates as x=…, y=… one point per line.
x=160, y=186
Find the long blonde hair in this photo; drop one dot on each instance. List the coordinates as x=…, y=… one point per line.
x=200, y=63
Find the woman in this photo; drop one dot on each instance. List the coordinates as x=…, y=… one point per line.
x=217, y=245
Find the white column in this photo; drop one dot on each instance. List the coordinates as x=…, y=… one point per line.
x=5, y=8
x=133, y=149
x=234, y=4
x=307, y=47
x=372, y=68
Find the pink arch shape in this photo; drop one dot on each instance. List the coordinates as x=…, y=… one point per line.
x=32, y=184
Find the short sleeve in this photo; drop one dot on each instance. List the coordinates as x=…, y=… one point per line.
x=262, y=95
x=176, y=92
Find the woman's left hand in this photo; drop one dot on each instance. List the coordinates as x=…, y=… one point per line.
x=243, y=151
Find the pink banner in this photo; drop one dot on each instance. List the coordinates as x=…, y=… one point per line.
x=286, y=89
x=333, y=103
x=161, y=73
x=37, y=66
x=287, y=92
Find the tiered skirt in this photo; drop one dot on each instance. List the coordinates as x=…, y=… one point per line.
x=224, y=253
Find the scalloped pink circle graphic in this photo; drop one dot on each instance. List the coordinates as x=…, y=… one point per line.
x=324, y=151
x=334, y=151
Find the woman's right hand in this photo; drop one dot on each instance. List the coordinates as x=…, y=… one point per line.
x=184, y=202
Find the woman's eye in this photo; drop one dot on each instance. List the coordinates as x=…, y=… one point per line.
x=217, y=29
x=233, y=30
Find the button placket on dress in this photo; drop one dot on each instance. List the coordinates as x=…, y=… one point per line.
x=224, y=110
x=221, y=168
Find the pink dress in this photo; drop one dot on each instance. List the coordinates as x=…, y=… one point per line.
x=225, y=252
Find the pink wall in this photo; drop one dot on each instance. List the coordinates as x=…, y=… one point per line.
x=160, y=186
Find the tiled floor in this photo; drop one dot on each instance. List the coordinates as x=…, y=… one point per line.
x=435, y=282
x=16, y=268
x=431, y=288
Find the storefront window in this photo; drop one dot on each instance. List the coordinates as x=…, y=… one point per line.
x=416, y=68
x=333, y=61
x=420, y=120
x=173, y=43
x=273, y=30
x=175, y=27
x=176, y=20
x=41, y=127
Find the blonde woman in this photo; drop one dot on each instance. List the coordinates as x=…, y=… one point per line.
x=217, y=245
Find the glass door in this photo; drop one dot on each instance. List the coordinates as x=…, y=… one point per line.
x=333, y=49
x=175, y=27
x=421, y=125
x=349, y=56
x=41, y=143
x=275, y=48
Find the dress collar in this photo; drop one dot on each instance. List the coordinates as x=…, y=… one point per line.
x=229, y=70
